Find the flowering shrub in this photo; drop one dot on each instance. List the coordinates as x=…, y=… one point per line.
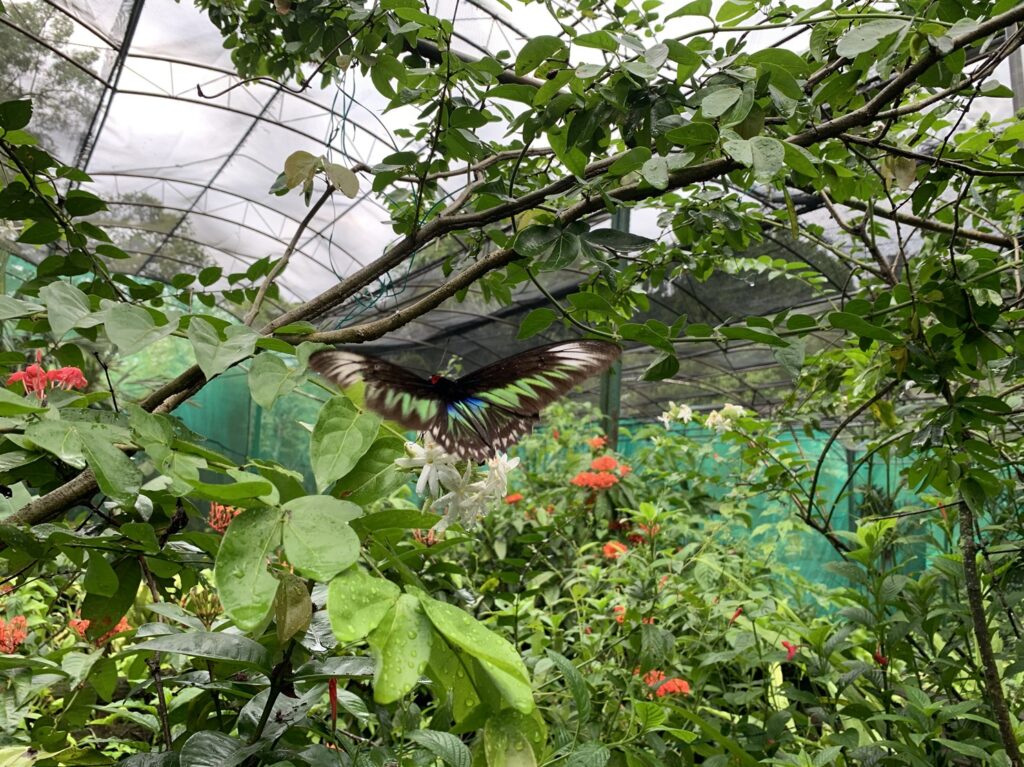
x=12, y=633
x=220, y=516
x=35, y=379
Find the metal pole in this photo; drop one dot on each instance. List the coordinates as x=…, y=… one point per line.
x=1016, y=74
x=611, y=379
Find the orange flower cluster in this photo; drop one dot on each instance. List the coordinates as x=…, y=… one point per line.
x=513, y=498
x=221, y=516
x=596, y=480
x=12, y=633
x=662, y=686
x=614, y=549
x=35, y=379
x=620, y=616
x=596, y=443
x=80, y=626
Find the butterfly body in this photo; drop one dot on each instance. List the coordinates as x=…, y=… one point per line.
x=481, y=413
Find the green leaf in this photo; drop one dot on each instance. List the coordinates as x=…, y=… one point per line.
x=507, y=743
x=82, y=203
x=800, y=160
x=317, y=540
x=601, y=39
x=868, y=36
x=342, y=179
x=694, y=8
x=293, y=609
x=536, y=50
x=100, y=577
x=14, y=404
x=341, y=436
x=215, y=749
x=15, y=115
x=41, y=233
x=270, y=378
x=575, y=682
x=375, y=476
x=66, y=306
x=357, y=602
x=655, y=172
x=791, y=357
x=861, y=327
x=629, y=161
x=299, y=168
x=444, y=745
x=497, y=657
x=209, y=275
x=537, y=321
x=664, y=367
x=115, y=473
x=717, y=102
x=613, y=239
x=589, y=755
x=214, y=355
x=12, y=308
x=768, y=154
x=693, y=135
x=401, y=649
x=217, y=646
x=103, y=612
x=133, y=329
x=245, y=586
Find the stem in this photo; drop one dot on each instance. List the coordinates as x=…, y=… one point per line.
x=993, y=684
x=161, y=702
x=277, y=677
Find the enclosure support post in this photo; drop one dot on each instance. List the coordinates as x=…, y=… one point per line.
x=611, y=379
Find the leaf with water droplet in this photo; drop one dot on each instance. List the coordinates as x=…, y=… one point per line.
x=357, y=602
x=400, y=661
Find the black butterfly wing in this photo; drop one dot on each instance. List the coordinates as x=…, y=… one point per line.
x=391, y=391
x=492, y=408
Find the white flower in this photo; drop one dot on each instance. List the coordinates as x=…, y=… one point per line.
x=496, y=481
x=463, y=504
x=438, y=467
x=675, y=412
x=666, y=419
x=732, y=412
x=715, y=420
x=684, y=414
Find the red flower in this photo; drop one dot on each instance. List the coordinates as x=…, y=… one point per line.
x=614, y=549
x=620, y=613
x=672, y=686
x=588, y=630
x=880, y=659
x=79, y=626
x=513, y=498
x=555, y=434
x=649, y=621
x=596, y=443
x=652, y=677
x=624, y=469
x=122, y=625
x=604, y=463
x=735, y=615
x=600, y=480
x=220, y=516
x=35, y=379
x=12, y=633
x=791, y=649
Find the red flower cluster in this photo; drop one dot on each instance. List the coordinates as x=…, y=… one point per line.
x=80, y=626
x=513, y=498
x=221, y=516
x=620, y=615
x=12, y=633
x=644, y=535
x=662, y=686
x=791, y=649
x=36, y=380
x=596, y=480
x=604, y=463
x=596, y=443
x=614, y=549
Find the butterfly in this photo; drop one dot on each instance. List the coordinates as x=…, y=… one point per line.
x=479, y=414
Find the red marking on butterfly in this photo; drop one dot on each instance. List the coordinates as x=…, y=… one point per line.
x=434, y=379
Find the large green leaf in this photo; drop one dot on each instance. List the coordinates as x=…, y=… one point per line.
x=216, y=749
x=357, y=602
x=12, y=308
x=214, y=353
x=270, y=378
x=207, y=645
x=866, y=37
x=507, y=742
x=66, y=306
x=245, y=586
x=445, y=746
x=317, y=539
x=14, y=404
x=375, y=476
x=132, y=328
x=100, y=577
x=103, y=612
x=536, y=50
x=341, y=436
x=66, y=439
x=401, y=649
x=115, y=473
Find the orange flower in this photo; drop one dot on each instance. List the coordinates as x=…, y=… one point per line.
x=555, y=434
x=12, y=633
x=652, y=677
x=599, y=480
x=614, y=549
x=122, y=625
x=604, y=463
x=79, y=626
x=596, y=443
x=35, y=379
x=673, y=686
x=513, y=498
x=620, y=613
x=221, y=516
x=624, y=469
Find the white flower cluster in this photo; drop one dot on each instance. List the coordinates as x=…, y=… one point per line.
x=680, y=413
x=464, y=501
x=722, y=420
